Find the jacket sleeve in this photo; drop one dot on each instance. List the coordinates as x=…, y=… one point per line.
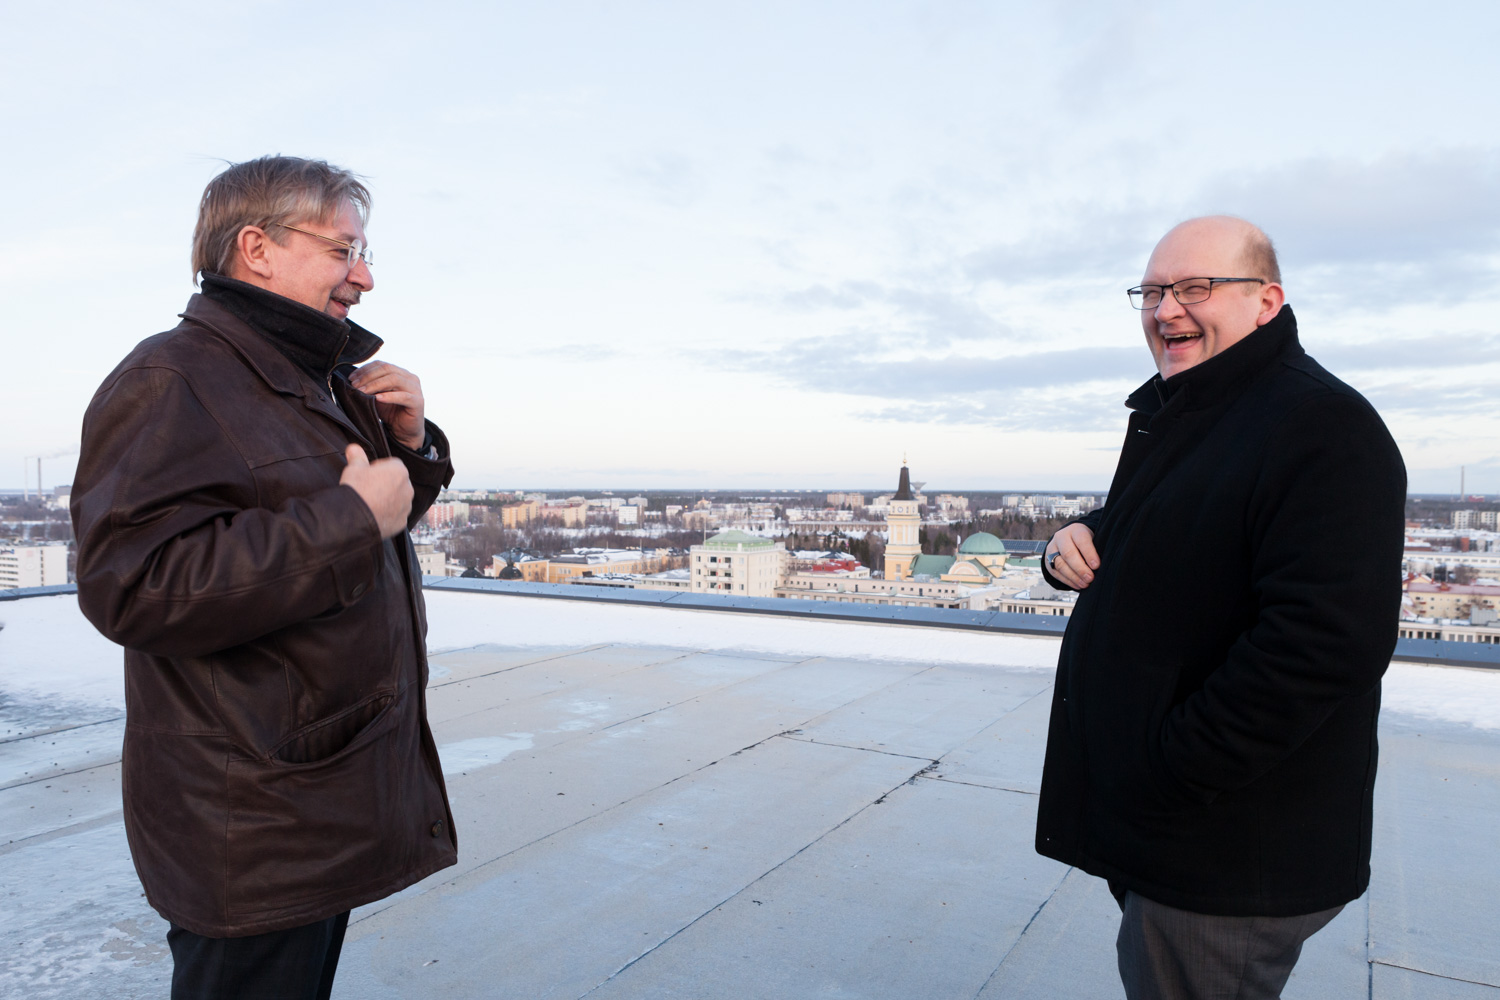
x=428, y=476
x=176, y=556
x=1325, y=529
x=1091, y=521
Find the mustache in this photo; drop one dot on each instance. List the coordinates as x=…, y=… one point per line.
x=347, y=294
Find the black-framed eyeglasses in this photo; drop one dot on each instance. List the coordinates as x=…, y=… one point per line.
x=357, y=250
x=1187, y=291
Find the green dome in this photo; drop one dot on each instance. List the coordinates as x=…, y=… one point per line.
x=982, y=543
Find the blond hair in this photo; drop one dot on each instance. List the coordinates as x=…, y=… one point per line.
x=269, y=192
x=1260, y=257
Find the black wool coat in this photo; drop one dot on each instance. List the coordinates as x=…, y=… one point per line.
x=1212, y=743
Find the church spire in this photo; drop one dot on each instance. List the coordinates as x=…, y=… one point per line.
x=903, y=490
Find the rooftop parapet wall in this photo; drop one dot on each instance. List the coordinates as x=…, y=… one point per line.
x=16, y=593
x=1435, y=651
x=985, y=621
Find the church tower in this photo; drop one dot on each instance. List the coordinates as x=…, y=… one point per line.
x=902, y=524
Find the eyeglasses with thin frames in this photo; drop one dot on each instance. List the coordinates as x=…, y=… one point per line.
x=1188, y=291
x=357, y=250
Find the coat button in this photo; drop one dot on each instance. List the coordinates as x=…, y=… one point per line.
x=437, y=828
x=359, y=590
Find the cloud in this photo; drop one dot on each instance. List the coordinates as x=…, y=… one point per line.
x=786, y=154
x=1013, y=411
x=1363, y=235
x=1443, y=399
x=850, y=295
x=1084, y=239
x=838, y=368
x=576, y=353
x=1083, y=388
x=669, y=178
x=1354, y=234
x=1407, y=209
x=1442, y=351
x=1068, y=389
x=935, y=318
x=1112, y=61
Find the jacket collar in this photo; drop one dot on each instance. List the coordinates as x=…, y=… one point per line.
x=1222, y=376
x=313, y=341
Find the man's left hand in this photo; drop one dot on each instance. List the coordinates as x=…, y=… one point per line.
x=398, y=398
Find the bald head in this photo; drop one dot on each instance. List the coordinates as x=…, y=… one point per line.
x=1215, y=246
x=1255, y=254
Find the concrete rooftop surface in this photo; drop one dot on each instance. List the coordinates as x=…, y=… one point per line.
x=657, y=802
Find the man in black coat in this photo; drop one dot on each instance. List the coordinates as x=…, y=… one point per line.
x=1212, y=745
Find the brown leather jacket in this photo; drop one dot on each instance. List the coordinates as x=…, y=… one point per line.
x=278, y=766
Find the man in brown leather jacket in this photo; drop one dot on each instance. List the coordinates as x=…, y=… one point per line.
x=241, y=508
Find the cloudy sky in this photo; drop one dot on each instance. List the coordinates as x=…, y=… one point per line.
x=771, y=244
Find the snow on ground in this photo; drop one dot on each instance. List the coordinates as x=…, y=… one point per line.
x=56, y=891
x=48, y=650
x=458, y=620
x=1453, y=694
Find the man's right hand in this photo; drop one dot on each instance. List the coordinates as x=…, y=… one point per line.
x=383, y=485
x=1076, y=559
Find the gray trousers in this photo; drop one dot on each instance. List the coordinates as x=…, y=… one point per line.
x=1171, y=954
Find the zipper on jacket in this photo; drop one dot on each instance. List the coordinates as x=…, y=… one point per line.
x=329, y=376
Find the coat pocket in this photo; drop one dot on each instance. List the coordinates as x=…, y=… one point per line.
x=1123, y=717
x=327, y=737
x=304, y=832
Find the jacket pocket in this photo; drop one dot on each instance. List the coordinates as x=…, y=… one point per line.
x=327, y=737
x=308, y=833
x=1124, y=715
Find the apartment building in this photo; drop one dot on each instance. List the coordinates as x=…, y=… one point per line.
x=1449, y=600
x=851, y=500
x=572, y=513
x=844, y=587
x=672, y=579
x=531, y=569
x=516, y=515
x=733, y=562
x=446, y=513
x=952, y=506
x=33, y=565
x=1038, y=599
x=435, y=563
x=1485, y=630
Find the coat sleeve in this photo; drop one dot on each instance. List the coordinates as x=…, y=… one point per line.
x=1091, y=521
x=1325, y=529
x=428, y=476
x=175, y=555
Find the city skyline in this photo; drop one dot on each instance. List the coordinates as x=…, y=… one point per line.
x=672, y=245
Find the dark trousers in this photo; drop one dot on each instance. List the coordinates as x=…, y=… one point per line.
x=296, y=964
x=1171, y=954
